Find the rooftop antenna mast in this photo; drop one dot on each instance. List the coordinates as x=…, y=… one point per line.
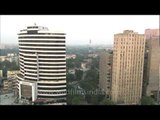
x=90, y=46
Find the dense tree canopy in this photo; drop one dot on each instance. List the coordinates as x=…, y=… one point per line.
x=146, y=100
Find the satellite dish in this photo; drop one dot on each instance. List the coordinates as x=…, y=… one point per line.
x=34, y=23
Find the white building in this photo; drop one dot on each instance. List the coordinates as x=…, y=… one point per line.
x=1, y=73
x=71, y=56
x=42, y=57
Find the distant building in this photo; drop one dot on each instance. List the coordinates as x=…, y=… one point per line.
x=71, y=56
x=153, y=66
x=88, y=60
x=9, y=58
x=150, y=33
x=11, y=54
x=127, y=70
x=93, y=55
x=71, y=71
x=84, y=65
x=105, y=72
x=7, y=86
x=1, y=73
x=2, y=58
x=12, y=75
x=1, y=83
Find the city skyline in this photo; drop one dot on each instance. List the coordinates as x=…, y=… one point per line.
x=79, y=29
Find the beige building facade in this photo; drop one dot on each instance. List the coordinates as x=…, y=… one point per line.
x=127, y=70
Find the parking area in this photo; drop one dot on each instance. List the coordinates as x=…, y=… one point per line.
x=7, y=99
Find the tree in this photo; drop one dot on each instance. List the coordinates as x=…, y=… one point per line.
x=78, y=74
x=106, y=101
x=70, y=77
x=70, y=63
x=146, y=100
x=76, y=100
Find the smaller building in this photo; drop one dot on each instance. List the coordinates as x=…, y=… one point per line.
x=2, y=58
x=12, y=73
x=71, y=56
x=93, y=55
x=84, y=65
x=1, y=73
x=89, y=60
x=11, y=54
x=1, y=82
x=71, y=71
x=7, y=86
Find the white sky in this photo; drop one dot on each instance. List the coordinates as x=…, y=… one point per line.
x=79, y=29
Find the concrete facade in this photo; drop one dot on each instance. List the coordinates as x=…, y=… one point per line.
x=153, y=80
x=127, y=70
x=105, y=72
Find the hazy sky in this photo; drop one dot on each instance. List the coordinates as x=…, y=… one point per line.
x=79, y=29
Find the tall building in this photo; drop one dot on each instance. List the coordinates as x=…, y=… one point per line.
x=105, y=72
x=42, y=57
x=127, y=70
x=153, y=62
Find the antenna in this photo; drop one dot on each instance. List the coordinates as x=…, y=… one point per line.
x=90, y=46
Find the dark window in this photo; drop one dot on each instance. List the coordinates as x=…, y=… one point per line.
x=52, y=68
x=56, y=84
x=51, y=96
x=51, y=56
x=52, y=75
x=44, y=37
x=39, y=45
x=52, y=71
x=32, y=32
x=44, y=41
x=41, y=88
x=42, y=48
x=43, y=33
x=50, y=64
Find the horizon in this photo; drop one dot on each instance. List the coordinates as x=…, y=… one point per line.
x=79, y=29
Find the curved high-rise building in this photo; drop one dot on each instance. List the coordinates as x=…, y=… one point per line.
x=42, y=57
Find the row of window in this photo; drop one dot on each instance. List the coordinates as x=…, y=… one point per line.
x=60, y=88
x=40, y=41
x=44, y=33
x=45, y=75
x=42, y=49
x=45, y=60
x=59, y=68
x=52, y=84
x=40, y=37
x=61, y=92
x=45, y=71
x=44, y=57
x=40, y=96
x=41, y=52
x=35, y=79
x=42, y=45
x=35, y=64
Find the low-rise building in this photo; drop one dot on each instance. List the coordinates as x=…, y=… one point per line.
x=12, y=76
x=1, y=73
x=71, y=71
x=71, y=56
x=7, y=86
x=93, y=55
